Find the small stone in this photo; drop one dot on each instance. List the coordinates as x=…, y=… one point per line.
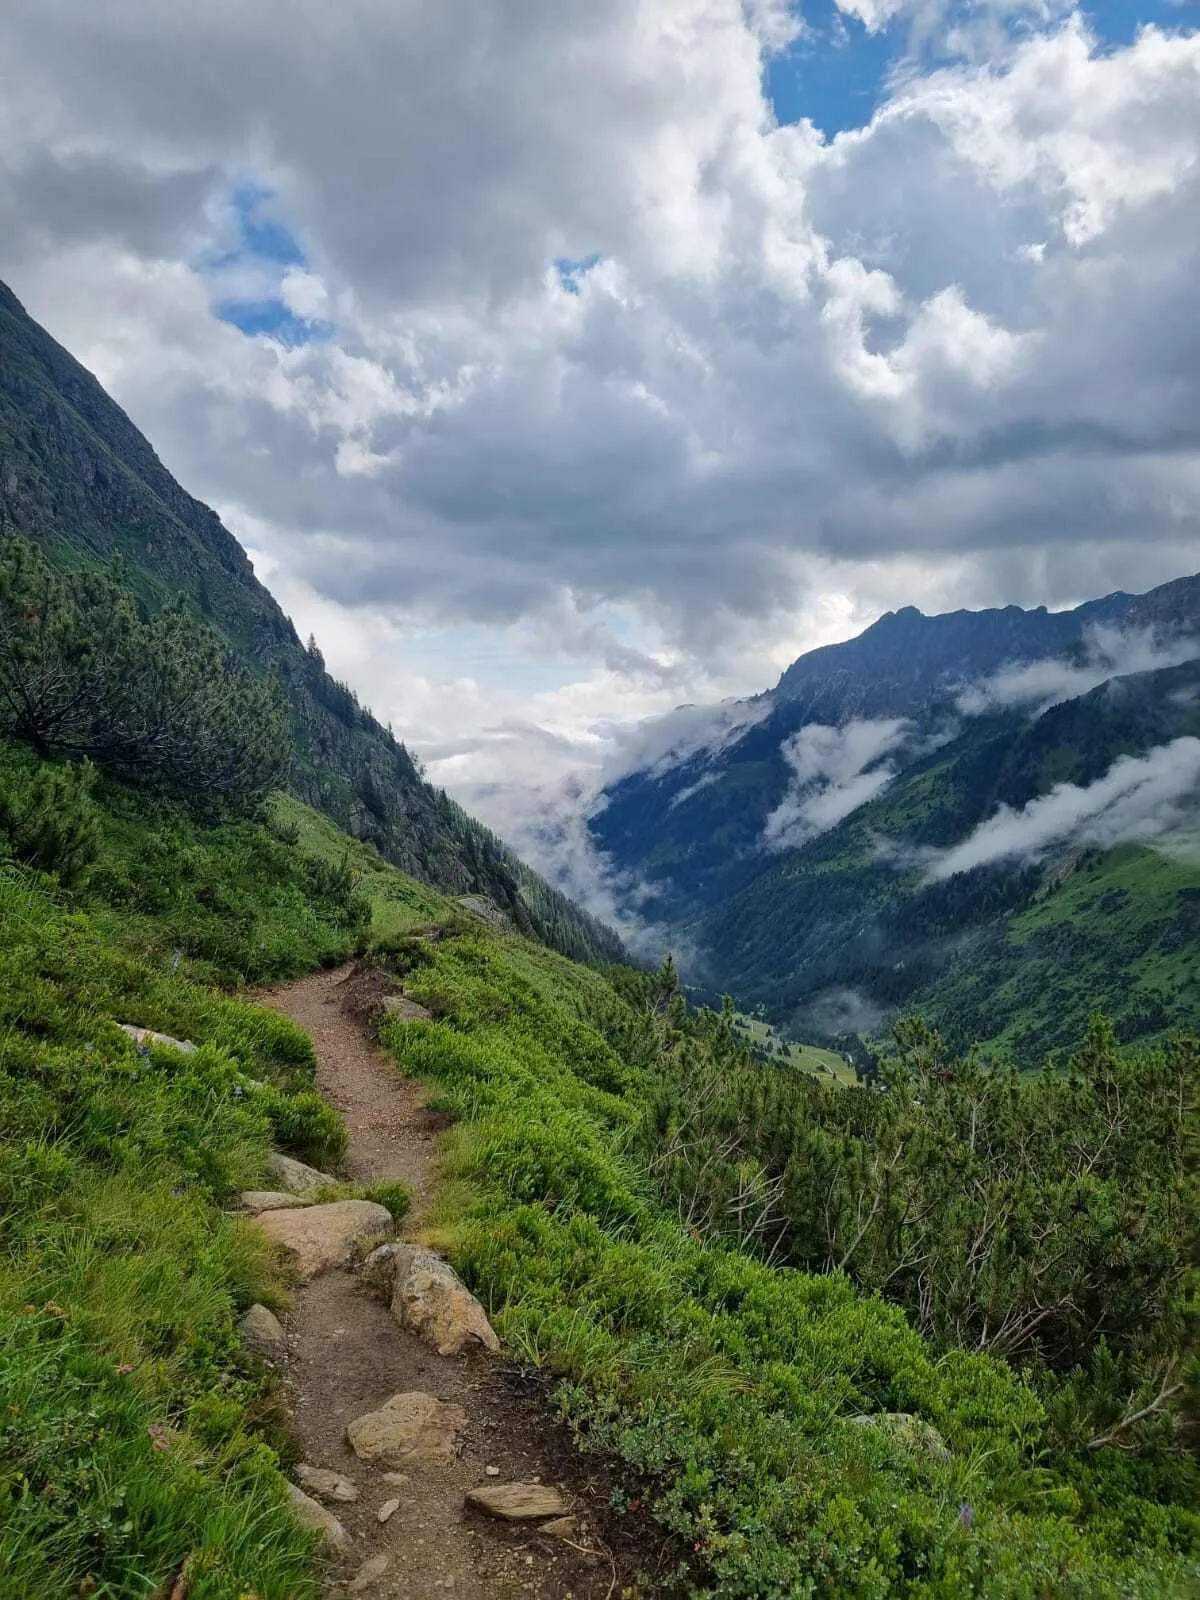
x=370, y=1572
x=405, y=1010
x=397, y=1480
x=294, y=1176
x=388, y=1509
x=321, y=1237
x=492, y=1472
x=313, y=1516
x=518, y=1502
x=411, y=1427
x=326, y=1485
x=263, y=1333
x=560, y=1527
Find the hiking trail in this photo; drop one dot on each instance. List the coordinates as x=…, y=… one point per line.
x=347, y=1355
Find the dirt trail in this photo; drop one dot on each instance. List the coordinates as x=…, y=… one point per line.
x=349, y=1355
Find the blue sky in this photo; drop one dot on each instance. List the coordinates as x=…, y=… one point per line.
x=837, y=73
x=260, y=250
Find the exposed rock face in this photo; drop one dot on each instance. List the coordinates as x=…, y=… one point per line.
x=147, y=1036
x=326, y=1485
x=412, y=1429
x=256, y=1201
x=313, y=1516
x=518, y=1502
x=321, y=1237
x=294, y=1176
x=914, y=1433
x=263, y=1333
x=430, y=1300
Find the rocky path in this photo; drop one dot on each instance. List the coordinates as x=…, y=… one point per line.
x=412, y=1535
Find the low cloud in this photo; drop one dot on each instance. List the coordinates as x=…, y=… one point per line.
x=1138, y=798
x=1109, y=653
x=834, y=771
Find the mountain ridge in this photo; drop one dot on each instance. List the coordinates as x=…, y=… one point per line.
x=79, y=478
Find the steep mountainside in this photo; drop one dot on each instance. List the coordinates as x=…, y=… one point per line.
x=78, y=477
x=802, y=861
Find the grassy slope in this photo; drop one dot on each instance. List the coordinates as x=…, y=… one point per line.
x=731, y=1390
x=728, y=1389
x=131, y=1426
x=77, y=477
x=1123, y=925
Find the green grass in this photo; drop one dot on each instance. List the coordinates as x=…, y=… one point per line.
x=811, y=1058
x=730, y=1389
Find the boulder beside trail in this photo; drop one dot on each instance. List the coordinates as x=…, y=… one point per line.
x=263, y=1333
x=294, y=1176
x=321, y=1237
x=411, y=1428
x=312, y=1515
x=518, y=1502
x=430, y=1300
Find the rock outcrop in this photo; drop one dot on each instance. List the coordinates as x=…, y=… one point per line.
x=256, y=1201
x=147, y=1037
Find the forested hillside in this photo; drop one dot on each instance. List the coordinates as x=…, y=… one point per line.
x=837, y=862
x=78, y=478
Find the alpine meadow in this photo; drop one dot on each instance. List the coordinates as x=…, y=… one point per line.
x=600, y=947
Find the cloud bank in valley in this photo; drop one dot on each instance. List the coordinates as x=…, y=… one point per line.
x=834, y=771
x=1139, y=798
x=1108, y=653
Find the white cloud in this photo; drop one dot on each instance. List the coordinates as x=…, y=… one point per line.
x=953, y=350
x=834, y=771
x=1138, y=798
x=1109, y=653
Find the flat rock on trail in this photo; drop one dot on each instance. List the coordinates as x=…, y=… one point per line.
x=348, y=1356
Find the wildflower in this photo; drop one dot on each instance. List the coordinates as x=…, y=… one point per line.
x=966, y=1516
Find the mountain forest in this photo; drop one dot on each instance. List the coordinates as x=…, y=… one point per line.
x=928, y=1330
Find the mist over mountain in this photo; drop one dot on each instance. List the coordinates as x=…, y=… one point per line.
x=923, y=815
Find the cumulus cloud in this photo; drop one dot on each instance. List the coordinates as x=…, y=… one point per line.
x=1108, y=653
x=1138, y=798
x=587, y=351
x=834, y=771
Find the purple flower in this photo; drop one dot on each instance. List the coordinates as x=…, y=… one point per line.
x=966, y=1515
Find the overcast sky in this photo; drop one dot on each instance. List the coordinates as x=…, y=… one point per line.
x=560, y=361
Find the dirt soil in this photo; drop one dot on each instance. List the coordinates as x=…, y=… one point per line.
x=349, y=1355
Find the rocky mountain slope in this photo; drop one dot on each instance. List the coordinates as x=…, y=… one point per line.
x=77, y=476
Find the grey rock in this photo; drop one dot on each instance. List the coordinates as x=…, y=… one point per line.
x=313, y=1516
x=256, y=1201
x=370, y=1572
x=911, y=1432
x=326, y=1485
x=147, y=1036
x=388, y=1509
x=294, y=1176
x=262, y=1332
